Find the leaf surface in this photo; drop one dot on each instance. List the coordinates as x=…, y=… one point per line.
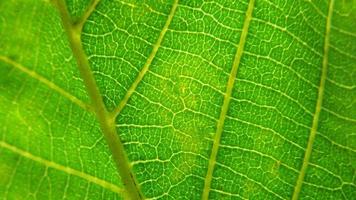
x=249, y=99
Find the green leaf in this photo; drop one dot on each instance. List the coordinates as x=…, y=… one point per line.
x=193, y=99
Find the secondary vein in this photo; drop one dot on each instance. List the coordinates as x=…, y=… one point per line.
x=318, y=106
x=86, y=15
x=107, y=123
x=149, y=60
x=62, y=168
x=227, y=98
x=46, y=82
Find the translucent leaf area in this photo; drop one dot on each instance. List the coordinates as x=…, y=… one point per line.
x=177, y=99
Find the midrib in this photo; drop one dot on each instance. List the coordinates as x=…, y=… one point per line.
x=318, y=106
x=226, y=102
x=107, y=123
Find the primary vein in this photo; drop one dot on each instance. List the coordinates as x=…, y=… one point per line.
x=48, y=83
x=149, y=60
x=107, y=123
x=318, y=106
x=62, y=168
x=227, y=98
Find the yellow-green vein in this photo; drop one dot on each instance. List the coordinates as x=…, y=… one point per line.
x=107, y=123
x=65, y=169
x=227, y=98
x=46, y=82
x=80, y=23
x=149, y=60
x=318, y=106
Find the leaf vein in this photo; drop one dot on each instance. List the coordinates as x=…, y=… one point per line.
x=66, y=169
x=318, y=106
x=226, y=102
x=48, y=83
x=250, y=179
x=106, y=122
x=149, y=60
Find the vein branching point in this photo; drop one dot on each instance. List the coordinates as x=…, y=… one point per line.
x=107, y=123
x=149, y=60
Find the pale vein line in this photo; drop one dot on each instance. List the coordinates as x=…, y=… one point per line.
x=65, y=169
x=336, y=143
x=339, y=115
x=263, y=186
x=149, y=60
x=87, y=13
x=341, y=85
x=318, y=106
x=227, y=98
x=48, y=83
x=344, y=31
x=229, y=194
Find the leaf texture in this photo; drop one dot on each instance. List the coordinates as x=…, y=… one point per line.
x=121, y=99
